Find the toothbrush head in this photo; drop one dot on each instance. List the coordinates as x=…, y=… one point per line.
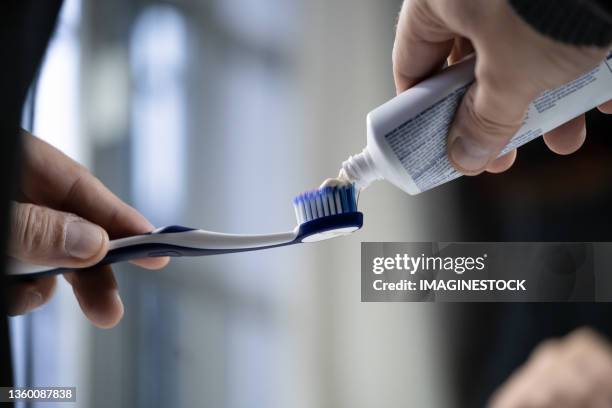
x=326, y=213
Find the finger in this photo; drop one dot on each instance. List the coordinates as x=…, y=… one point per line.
x=567, y=138
x=606, y=107
x=591, y=356
x=575, y=373
x=525, y=389
x=97, y=294
x=512, y=392
x=502, y=163
x=538, y=388
x=44, y=236
x=422, y=44
x=571, y=387
x=52, y=178
x=518, y=390
x=23, y=297
x=490, y=113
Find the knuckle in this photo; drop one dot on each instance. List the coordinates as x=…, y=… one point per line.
x=585, y=334
x=585, y=340
x=24, y=218
x=36, y=231
x=547, y=349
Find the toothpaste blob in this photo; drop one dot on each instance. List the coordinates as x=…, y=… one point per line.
x=342, y=182
x=407, y=136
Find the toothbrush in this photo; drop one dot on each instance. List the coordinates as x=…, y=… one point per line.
x=322, y=214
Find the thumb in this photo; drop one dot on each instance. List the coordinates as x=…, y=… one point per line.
x=45, y=236
x=486, y=120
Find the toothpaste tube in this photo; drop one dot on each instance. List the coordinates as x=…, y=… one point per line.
x=407, y=136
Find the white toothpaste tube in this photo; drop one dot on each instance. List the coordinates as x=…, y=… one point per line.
x=406, y=142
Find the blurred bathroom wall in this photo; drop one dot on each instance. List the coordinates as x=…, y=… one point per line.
x=215, y=113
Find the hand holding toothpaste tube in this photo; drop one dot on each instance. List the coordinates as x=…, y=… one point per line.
x=515, y=64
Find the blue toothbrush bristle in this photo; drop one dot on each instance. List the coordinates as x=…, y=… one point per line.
x=324, y=202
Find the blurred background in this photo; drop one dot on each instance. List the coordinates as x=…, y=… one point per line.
x=214, y=114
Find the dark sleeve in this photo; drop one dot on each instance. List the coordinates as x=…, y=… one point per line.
x=25, y=28
x=578, y=22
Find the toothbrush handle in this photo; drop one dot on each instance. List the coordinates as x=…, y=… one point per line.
x=133, y=252
x=127, y=253
x=158, y=250
x=137, y=247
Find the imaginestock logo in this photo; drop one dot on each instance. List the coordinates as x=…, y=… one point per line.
x=414, y=264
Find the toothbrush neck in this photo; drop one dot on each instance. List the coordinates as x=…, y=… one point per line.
x=360, y=169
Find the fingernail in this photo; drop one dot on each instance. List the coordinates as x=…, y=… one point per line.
x=119, y=302
x=468, y=155
x=83, y=240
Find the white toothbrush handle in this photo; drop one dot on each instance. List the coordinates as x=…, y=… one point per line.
x=171, y=241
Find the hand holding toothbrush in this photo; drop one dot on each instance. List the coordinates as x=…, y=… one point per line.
x=65, y=217
x=70, y=216
x=515, y=63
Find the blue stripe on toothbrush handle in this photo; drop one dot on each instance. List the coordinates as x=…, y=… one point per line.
x=171, y=229
x=140, y=251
